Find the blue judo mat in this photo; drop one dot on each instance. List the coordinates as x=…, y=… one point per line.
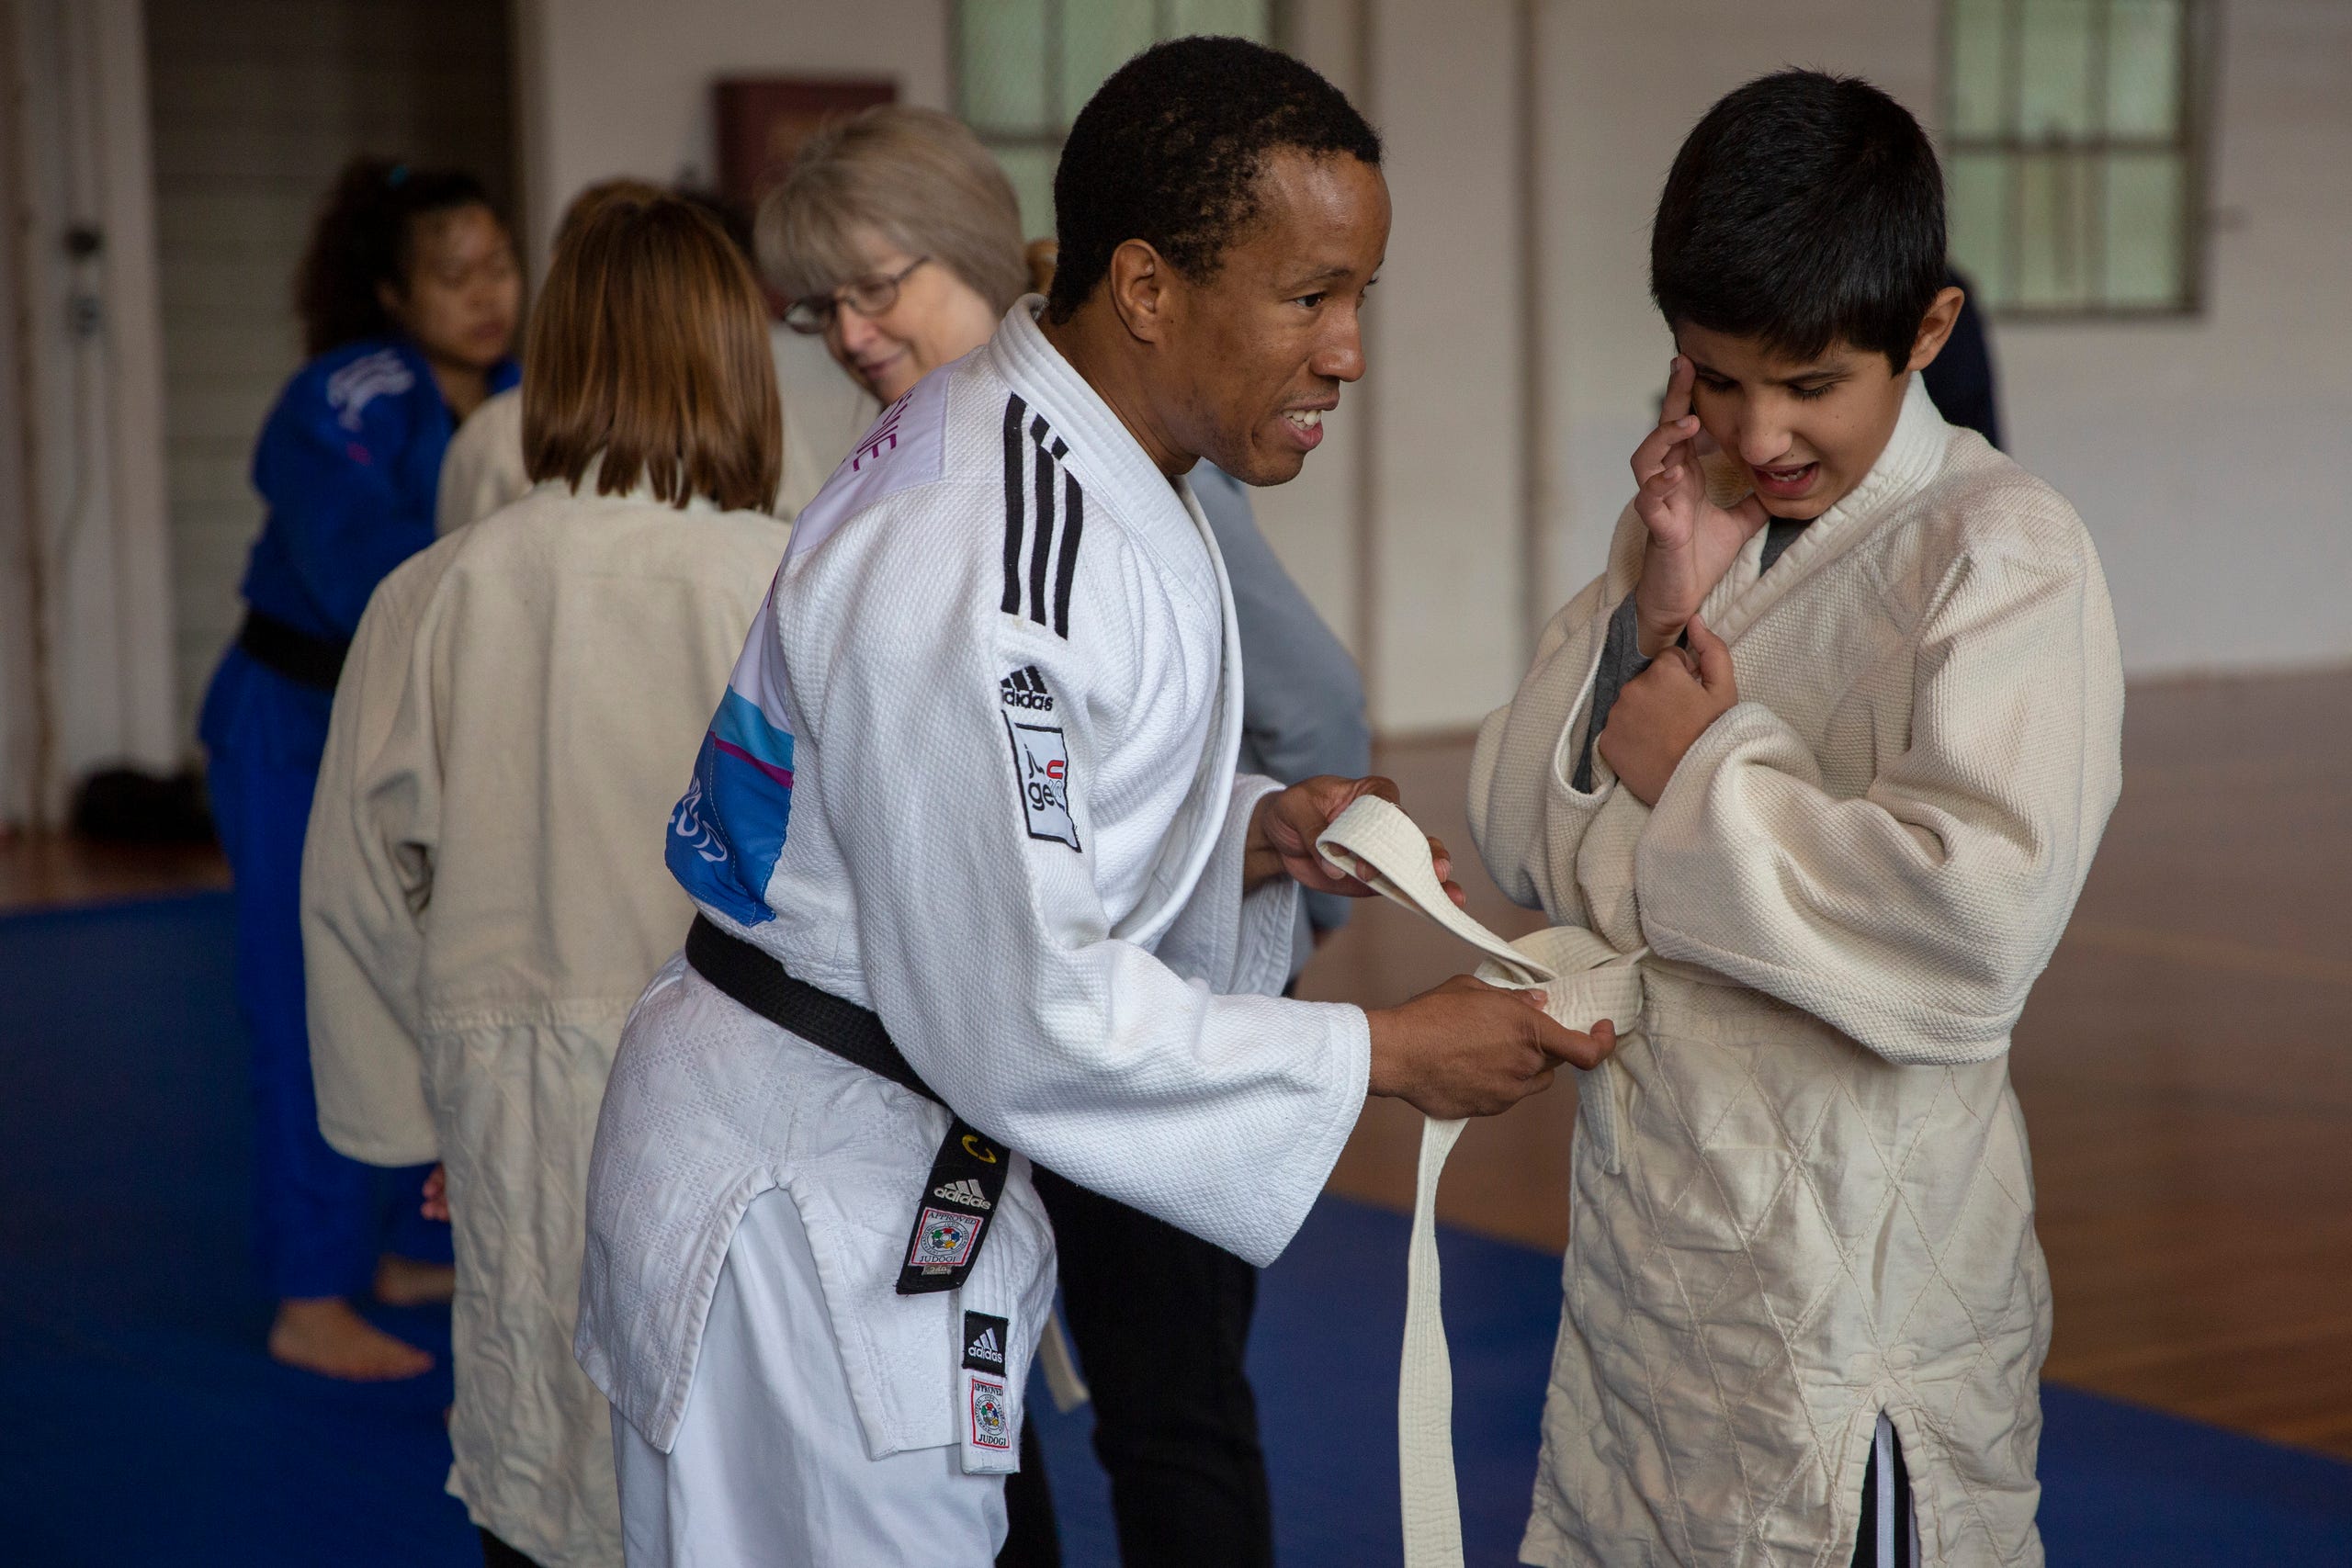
x=144, y=1426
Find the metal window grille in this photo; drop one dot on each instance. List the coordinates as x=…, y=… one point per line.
x=1023, y=68
x=2075, y=153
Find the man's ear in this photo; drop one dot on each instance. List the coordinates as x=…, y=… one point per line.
x=1141, y=286
x=1935, y=327
x=389, y=295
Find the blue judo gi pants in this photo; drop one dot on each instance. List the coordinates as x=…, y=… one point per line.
x=321, y=1218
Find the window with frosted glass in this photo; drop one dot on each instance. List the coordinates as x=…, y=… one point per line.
x=1024, y=67
x=2073, y=163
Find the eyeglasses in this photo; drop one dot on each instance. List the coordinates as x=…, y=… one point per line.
x=869, y=296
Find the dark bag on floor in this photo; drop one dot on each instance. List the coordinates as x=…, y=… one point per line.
x=128, y=806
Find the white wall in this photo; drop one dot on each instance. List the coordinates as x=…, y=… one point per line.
x=85, y=666
x=623, y=88
x=1445, y=484
x=2204, y=453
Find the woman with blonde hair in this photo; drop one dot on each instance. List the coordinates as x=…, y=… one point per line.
x=484, y=894
x=897, y=238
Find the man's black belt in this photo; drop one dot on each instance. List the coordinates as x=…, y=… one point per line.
x=316, y=661
x=966, y=1176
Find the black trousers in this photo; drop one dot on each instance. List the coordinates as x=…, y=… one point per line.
x=1160, y=1321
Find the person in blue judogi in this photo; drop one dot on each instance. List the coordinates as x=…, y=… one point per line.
x=409, y=294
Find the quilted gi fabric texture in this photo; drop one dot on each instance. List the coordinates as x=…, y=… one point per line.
x=483, y=898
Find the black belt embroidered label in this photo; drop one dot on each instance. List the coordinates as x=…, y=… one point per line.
x=952, y=1217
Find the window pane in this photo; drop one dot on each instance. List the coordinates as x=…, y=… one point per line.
x=2054, y=79
x=1001, y=65
x=2145, y=242
x=2054, y=260
x=1031, y=170
x=1098, y=37
x=2144, y=68
x=1976, y=66
x=1242, y=18
x=1978, y=219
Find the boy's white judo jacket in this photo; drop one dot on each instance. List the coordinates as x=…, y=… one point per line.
x=975, y=771
x=1802, y=1194
x=482, y=903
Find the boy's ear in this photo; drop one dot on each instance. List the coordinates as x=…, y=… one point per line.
x=1935, y=327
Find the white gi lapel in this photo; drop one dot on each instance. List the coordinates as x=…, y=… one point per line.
x=1109, y=461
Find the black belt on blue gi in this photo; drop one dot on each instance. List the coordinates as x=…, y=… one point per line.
x=314, y=661
x=966, y=1178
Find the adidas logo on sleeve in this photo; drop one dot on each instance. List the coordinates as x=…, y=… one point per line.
x=984, y=1340
x=1025, y=688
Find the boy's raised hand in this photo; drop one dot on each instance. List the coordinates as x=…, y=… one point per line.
x=1693, y=541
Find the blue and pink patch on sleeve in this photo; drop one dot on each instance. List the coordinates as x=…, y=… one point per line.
x=727, y=833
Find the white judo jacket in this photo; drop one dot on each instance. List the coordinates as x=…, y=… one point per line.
x=975, y=771
x=1802, y=1194
x=481, y=906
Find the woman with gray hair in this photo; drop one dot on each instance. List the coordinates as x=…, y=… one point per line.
x=899, y=239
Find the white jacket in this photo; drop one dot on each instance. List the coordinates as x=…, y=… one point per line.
x=975, y=771
x=1819, y=1205
x=483, y=899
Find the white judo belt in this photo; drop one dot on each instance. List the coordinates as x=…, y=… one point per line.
x=1584, y=980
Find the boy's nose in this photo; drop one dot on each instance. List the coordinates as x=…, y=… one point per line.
x=1762, y=442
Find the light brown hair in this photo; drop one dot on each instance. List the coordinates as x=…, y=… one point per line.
x=914, y=177
x=591, y=199
x=649, y=348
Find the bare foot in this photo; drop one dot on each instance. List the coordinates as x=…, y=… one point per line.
x=325, y=1336
x=405, y=1282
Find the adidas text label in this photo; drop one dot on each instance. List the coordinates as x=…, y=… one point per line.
x=963, y=1190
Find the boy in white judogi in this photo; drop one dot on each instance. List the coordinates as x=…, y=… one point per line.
x=1842, y=827
x=967, y=826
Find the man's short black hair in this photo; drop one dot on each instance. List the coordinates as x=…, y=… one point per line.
x=1170, y=149
x=1805, y=209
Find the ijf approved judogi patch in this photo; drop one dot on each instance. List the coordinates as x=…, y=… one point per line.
x=991, y=1418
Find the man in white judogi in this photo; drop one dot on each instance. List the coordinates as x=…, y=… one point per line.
x=998, y=677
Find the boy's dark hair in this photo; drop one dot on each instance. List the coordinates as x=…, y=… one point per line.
x=1805, y=209
x=1170, y=149
x=362, y=236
